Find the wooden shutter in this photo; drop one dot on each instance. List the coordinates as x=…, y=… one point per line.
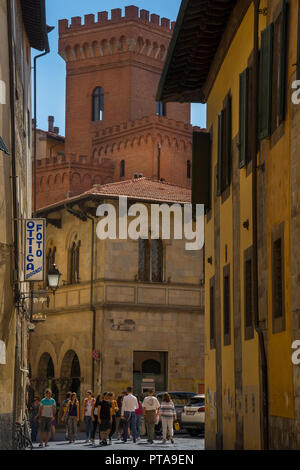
x=220, y=153
x=243, y=118
x=201, y=174
x=265, y=82
x=283, y=62
x=228, y=139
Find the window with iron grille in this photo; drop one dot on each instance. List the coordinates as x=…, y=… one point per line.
x=144, y=260
x=98, y=104
x=226, y=305
x=157, y=260
x=151, y=260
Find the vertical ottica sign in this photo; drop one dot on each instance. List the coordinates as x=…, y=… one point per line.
x=34, y=263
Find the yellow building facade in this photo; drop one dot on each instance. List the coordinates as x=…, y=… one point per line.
x=17, y=36
x=253, y=217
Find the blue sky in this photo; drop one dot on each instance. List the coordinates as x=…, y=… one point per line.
x=51, y=68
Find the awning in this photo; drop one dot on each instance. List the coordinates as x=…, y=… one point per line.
x=34, y=18
x=3, y=146
x=196, y=38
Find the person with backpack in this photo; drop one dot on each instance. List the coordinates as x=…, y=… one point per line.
x=64, y=409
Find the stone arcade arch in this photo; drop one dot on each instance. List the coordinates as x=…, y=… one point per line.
x=45, y=376
x=70, y=373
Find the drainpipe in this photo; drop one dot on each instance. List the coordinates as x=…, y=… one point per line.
x=262, y=348
x=47, y=50
x=15, y=210
x=82, y=214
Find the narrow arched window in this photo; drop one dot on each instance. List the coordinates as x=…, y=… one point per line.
x=122, y=168
x=161, y=108
x=74, y=258
x=188, y=169
x=98, y=104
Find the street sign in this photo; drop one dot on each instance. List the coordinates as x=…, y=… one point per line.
x=96, y=354
x=34, y=254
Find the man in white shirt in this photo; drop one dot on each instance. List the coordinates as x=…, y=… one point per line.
x=150, y=410
x=129, y=405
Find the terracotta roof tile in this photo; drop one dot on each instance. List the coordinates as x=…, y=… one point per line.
x=139, y=189
x=144, y=188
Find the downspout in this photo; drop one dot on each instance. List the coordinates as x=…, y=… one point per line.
x=15, y=209
x=92, y=307
x=47, y=50
x=262, y=349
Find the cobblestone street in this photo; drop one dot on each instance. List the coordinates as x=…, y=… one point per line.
x=182, y=442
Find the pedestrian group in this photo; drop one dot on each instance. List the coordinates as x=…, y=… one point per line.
x=121, y=416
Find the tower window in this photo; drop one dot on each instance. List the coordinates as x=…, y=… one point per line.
x=98, y=104
x=122, y=168
x=188, y=169
x=161, y=108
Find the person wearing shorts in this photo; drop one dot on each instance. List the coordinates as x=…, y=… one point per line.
x=104, y=419
x=47, y=412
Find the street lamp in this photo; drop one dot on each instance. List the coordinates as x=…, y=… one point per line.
x=53, y=278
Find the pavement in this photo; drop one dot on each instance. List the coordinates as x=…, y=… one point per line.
x=181, y=442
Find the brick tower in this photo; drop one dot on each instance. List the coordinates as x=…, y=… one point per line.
x=114, y=127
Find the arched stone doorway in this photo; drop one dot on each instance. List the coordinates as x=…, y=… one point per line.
x=71, y=373
x=45, y=376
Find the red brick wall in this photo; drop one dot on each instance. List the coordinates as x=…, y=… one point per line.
x=125, y=56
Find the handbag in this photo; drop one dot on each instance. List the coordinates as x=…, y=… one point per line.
x=177, y=426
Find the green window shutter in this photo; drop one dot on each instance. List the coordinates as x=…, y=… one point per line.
x=298, y=40
x=265, y=82
x=220, y=153
x=283, y=62
x=228, y=140
x=243, y=118
x=201, y=174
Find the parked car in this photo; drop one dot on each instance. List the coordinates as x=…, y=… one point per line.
x=180, y=399
x=193, y=415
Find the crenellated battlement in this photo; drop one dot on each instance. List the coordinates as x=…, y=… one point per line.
x=132, y=13
x=147, y=121
x=72, y=160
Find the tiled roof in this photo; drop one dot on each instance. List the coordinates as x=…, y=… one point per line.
x=138, y=189
x=143, y=188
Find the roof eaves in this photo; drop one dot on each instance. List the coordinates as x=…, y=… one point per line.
x=34, y=18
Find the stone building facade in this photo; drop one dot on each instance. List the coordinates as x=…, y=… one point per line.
x=17, y=35
x=145, y=319
x=114, y=126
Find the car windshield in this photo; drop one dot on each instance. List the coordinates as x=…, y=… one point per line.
x=196, y=401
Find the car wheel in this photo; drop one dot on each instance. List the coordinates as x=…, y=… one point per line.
x=193, y=433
